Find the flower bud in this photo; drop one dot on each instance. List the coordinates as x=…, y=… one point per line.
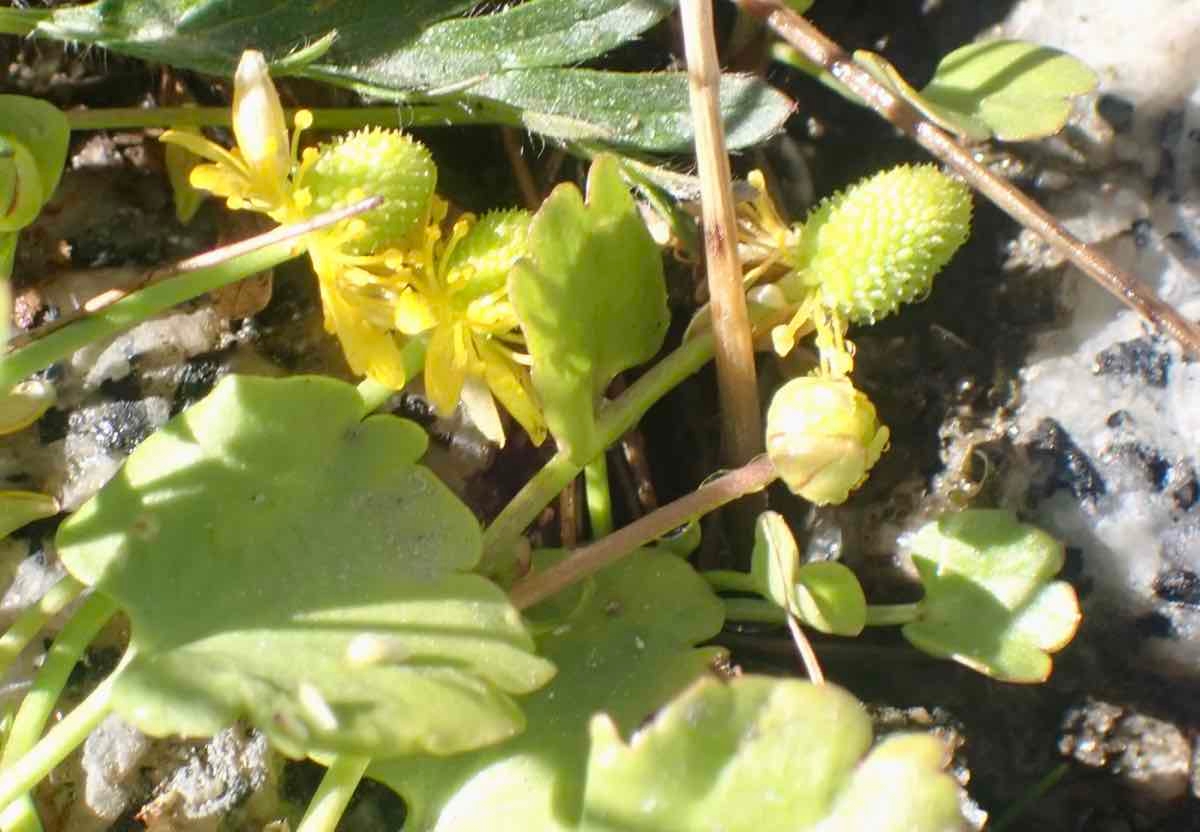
x=376, y=162
x=823, y=437
x=260, y=126
x=880, y=243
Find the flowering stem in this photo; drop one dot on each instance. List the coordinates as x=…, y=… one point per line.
x=34, y=617
x=892, y=615
x=187, y=279
x=614, y=420
x=599, y=497
x=20, y=763
x=337, y=787
x=423, y=114
x=730, y=580
x=587, y=560
x=60, y=741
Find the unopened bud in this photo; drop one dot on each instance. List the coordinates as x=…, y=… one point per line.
x=823, y=436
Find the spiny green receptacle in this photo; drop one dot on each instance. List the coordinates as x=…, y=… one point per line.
x=879, y=243
x=375, y=162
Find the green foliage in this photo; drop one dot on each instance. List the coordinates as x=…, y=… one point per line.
x=1004, y=89
x=282, y=558
x=19, y=508
x=591, y=299
x=759, y=755
x=623, y=647
x=24, y=404
x=33, y=150
x=989, y=601
x=826, y=596
x=505, y=67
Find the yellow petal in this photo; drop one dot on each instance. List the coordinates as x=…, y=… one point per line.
x=260, y=126
x=219, y=180
x=202, y=147
x=509, y=382
x=445, y=371
x=369, y=351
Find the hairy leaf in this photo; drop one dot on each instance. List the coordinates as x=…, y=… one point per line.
x=282, y=558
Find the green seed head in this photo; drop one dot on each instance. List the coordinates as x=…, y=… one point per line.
x=376, y=162
x=879, y=243
x=492, y=247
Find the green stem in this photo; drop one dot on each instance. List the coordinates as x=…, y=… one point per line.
x=67, y=735
x=34, y=617
x=892, y=615
x=599, y=496
x=15, y=21
x=729, y=580
x=614, y=420
x=134, y=309
x=337, y=786
x=1039, y=790
x=424, y=114
x=188, y=279
x=753, y=611
x=23, y=767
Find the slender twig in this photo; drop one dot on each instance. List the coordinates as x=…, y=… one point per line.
x=741, y=416
x=807, y=655
x=828, y=55
x=587, y=560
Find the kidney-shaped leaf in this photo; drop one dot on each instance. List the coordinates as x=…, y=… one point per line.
x=623, y=646
x=284, y=559
x=824, y=595
x=760, y=755
x=591, y=299
x=989, y=601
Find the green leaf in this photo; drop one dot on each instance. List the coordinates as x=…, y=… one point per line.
x=591, y=300
x=19, y=508
x=649, y=111
x=282, y=558
x=33, y=151
x=210, y=35
x=1007, y=89
x=540, y=33
x=506, y=67
x=989, y=601
x=824, y=595
x=761, y=754
x=623, y=646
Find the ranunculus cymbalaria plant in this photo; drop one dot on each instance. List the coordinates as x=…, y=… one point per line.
x=400, y=272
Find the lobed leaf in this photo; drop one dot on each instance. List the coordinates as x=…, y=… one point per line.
x=282, y=557
x=761, y=754
x=989, y=601
x=623, y=647
x=591, y=299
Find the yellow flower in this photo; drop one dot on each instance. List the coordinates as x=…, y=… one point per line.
x=257, y=174
x=457, y=297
